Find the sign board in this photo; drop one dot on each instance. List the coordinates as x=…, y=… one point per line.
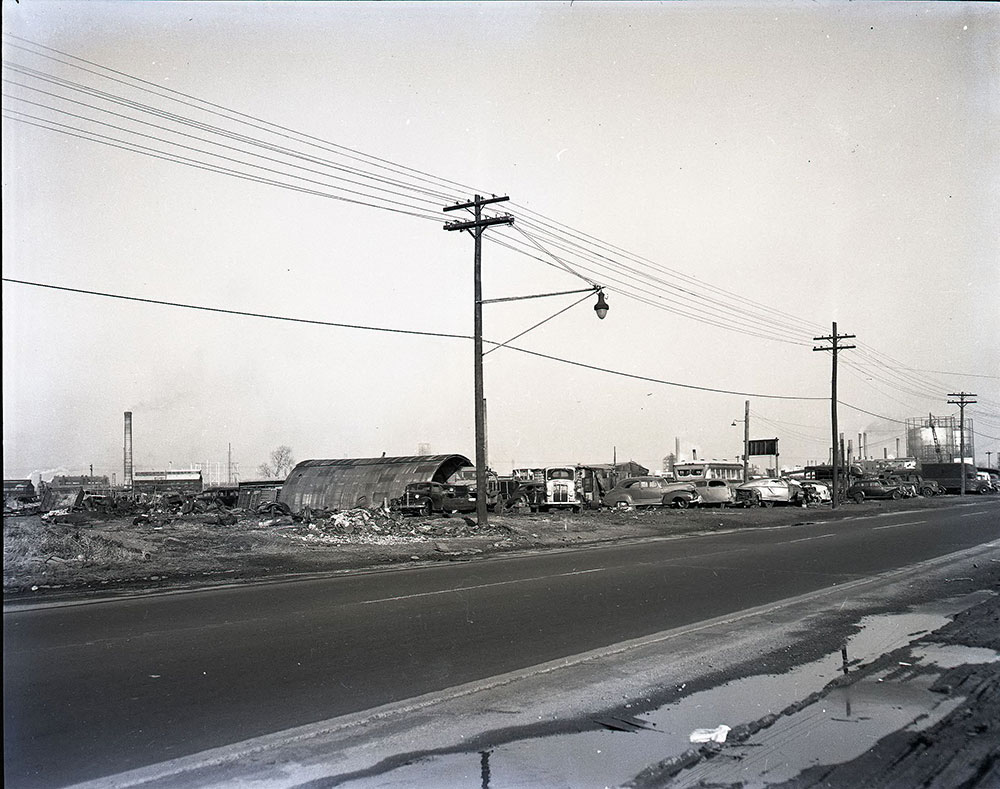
x=763, y=446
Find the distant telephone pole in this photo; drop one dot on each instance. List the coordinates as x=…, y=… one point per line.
x=476, y=226
x=835, y=346
x=962, y=402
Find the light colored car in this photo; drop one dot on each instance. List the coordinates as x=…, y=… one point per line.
x=637, y=492
x=813, y=490
x=768, y=492
x=681, y=495
x=712, y=492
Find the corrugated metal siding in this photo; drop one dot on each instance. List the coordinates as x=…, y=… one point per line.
x=352, y=482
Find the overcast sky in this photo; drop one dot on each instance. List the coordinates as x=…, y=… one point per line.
x=738, y=176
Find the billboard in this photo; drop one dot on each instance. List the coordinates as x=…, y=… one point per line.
x=763, y=446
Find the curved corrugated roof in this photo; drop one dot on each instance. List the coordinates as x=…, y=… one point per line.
x=353, y=482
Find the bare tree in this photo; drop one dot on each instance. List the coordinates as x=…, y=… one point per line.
x=280, y=464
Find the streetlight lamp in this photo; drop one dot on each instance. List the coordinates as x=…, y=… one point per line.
x=746, y=440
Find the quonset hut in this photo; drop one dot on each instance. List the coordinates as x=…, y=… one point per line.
x=362, y=482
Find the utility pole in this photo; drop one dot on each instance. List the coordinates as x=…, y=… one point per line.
x=746, y=442
x=476, y=227
x=838, y=453
x=962, y=402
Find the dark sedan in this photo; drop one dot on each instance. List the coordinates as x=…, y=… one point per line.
x=873, y=489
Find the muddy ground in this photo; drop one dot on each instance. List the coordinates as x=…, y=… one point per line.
x=87, y=552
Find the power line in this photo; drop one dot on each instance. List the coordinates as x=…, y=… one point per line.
x=243, y=313
x=290, y=319
x=727, y=310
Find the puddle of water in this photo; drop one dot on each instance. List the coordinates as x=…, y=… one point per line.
x=830, y=731
x=950, y=656
x=837, y=728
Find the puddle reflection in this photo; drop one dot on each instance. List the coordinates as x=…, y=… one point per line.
x=838, y=727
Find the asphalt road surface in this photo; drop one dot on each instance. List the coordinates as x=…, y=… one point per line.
x=98, y=688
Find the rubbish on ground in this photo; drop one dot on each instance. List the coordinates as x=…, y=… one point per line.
x=718, y=734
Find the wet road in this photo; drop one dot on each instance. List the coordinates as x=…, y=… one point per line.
x=95, y=689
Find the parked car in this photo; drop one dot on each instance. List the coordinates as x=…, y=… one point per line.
x=768, y=492
x=712, y=492
x=637, y=492
x=873, y=489
x=681, y=495
x=425, y=498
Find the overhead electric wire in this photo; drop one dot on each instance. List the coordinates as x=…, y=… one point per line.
x=659, y=304
x=735, y=312
x=188, y=135
x=289, y=319
x=156, y=112
x=219, y=110
x=226, y=311
x=207, y=153
x=648, y=285
x=145, y=150
x=648, y=279
x=565, y=229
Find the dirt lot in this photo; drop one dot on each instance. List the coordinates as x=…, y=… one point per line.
x=83, y=552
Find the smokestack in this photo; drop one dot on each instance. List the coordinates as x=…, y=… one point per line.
x=694, y=454
x=128, y=450
x=897, y=447
x=677, y=449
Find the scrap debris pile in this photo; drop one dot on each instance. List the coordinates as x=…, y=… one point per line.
x=377, y=525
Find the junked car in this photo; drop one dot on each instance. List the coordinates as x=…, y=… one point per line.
x=768, y=491
x=634, y=492
x=815, y=491
x=873, y=489
x=711, y=492
x=682, y=495
x=426, y=498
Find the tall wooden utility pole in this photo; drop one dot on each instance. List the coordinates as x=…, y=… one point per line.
x=962, y=402
x=746, y=442
x=838, y=453
x=476, y=227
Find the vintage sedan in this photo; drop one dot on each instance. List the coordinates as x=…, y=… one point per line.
x=635, y=492
x=873, y=489
x=681, y=495
x=426, y=498
x=711, y=492
x=768, y=492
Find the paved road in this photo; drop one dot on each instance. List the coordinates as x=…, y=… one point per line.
x=96, y=689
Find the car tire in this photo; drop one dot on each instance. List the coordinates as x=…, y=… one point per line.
x=681, y=503
x=622, y=505
x=927, y=492
x=766, y=503
x=896, y=495
x=858, y=497
x=426, y=509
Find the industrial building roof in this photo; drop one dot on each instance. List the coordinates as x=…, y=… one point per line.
x=362, y=482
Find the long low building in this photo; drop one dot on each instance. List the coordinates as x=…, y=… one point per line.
x=169, y=481
x=362, y=482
